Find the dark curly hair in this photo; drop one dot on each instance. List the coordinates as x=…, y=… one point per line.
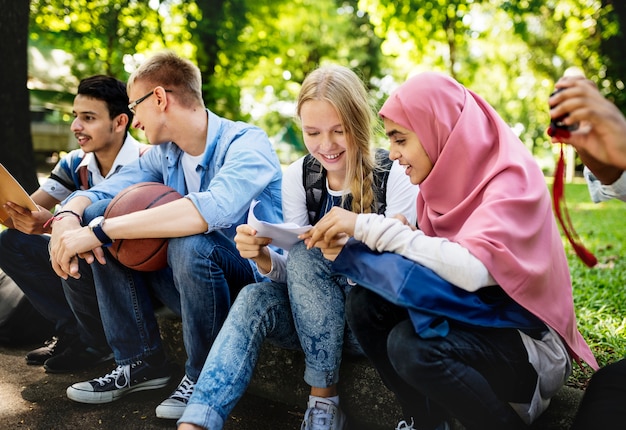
x=111, y=91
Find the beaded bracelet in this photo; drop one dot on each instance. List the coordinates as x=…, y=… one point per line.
x=57, y=217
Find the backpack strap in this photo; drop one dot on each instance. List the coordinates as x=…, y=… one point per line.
x=314, y=182
x=83, y=175
x=381, y=176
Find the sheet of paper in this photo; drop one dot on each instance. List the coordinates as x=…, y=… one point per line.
x=12, y=191
x=283, y=235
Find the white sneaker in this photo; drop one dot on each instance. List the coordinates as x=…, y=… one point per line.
x=173, y=407
x=323, y=414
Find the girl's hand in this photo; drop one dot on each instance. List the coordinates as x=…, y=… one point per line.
x=252, y=247
x=337, y=224
x=332, y=250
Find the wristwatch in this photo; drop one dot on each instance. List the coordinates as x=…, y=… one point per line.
x=95, y=225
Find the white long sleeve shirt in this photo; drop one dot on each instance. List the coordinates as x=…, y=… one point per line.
x=450, y=260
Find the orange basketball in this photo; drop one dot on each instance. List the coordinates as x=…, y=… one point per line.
x=145, y=255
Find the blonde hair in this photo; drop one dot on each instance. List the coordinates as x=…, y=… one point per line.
x=345, y=91
x=174, y=73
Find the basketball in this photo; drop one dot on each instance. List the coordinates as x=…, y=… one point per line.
x=145, y=255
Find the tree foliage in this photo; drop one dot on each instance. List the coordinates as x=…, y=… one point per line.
x=253, y=54
x=511, y=52
x=98, y=33
x=286, y=44
x=612, y=27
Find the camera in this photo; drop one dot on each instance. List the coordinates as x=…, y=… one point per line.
x=557, y=127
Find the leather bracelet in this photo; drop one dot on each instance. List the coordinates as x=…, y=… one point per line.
x=57, y=217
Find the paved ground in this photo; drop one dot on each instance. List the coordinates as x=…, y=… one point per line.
x=31, y=399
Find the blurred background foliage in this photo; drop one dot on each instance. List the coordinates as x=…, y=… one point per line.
x=253, y=54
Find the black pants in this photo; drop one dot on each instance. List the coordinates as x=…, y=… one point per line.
x=472, y=374
x=604, y=404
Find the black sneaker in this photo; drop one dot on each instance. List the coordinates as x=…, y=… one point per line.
x=123, y=380
x=76, y=357
x=51, y=347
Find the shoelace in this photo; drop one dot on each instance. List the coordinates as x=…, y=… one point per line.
x=403, y=425
x=318, y=418
x=184, y=390
x=51, y=343
x=114, y=376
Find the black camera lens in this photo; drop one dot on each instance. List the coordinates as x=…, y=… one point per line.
x=558, y=124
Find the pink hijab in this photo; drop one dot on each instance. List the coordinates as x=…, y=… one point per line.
x=487, y=193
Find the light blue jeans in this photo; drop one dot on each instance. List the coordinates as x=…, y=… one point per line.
x=263, y=311
x=318, y=298
x=260, y=311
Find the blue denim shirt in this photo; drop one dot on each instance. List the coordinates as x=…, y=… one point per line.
x=239, y=165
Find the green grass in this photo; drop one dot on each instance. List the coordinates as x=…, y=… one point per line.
x=599, y=292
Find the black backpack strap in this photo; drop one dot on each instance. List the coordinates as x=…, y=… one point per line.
x=314, y=182
x=381, y=176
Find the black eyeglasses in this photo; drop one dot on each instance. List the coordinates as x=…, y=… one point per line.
x=131, y=107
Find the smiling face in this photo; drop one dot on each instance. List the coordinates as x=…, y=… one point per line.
x=325, y=138
x=408, y=150
x=92, y=126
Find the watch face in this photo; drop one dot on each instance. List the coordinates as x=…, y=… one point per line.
x=96, y=221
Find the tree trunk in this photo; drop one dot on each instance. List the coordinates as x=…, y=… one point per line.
x=16, y=147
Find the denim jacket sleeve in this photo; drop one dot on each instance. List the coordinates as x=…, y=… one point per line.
x=600, y=192
x=240, y=165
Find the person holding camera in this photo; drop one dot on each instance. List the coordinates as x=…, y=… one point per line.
x=596, y=129
x=600, y=140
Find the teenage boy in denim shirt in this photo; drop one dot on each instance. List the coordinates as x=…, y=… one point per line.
x=219, y=166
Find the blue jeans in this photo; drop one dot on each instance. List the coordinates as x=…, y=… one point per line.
x=203, y=272
x=260, y=311
x=317, y=299
x=71, y=305
x=471, y=374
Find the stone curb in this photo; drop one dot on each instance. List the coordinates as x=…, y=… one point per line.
x=365, y=400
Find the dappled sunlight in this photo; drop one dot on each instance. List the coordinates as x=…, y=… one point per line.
x=590, y=206
x=8, y=404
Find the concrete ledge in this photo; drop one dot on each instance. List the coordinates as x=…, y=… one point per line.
x=364, y=398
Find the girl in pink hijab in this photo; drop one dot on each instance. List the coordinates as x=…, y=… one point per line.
x=469, y=317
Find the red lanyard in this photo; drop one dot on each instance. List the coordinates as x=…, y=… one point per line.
x=560, y=208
